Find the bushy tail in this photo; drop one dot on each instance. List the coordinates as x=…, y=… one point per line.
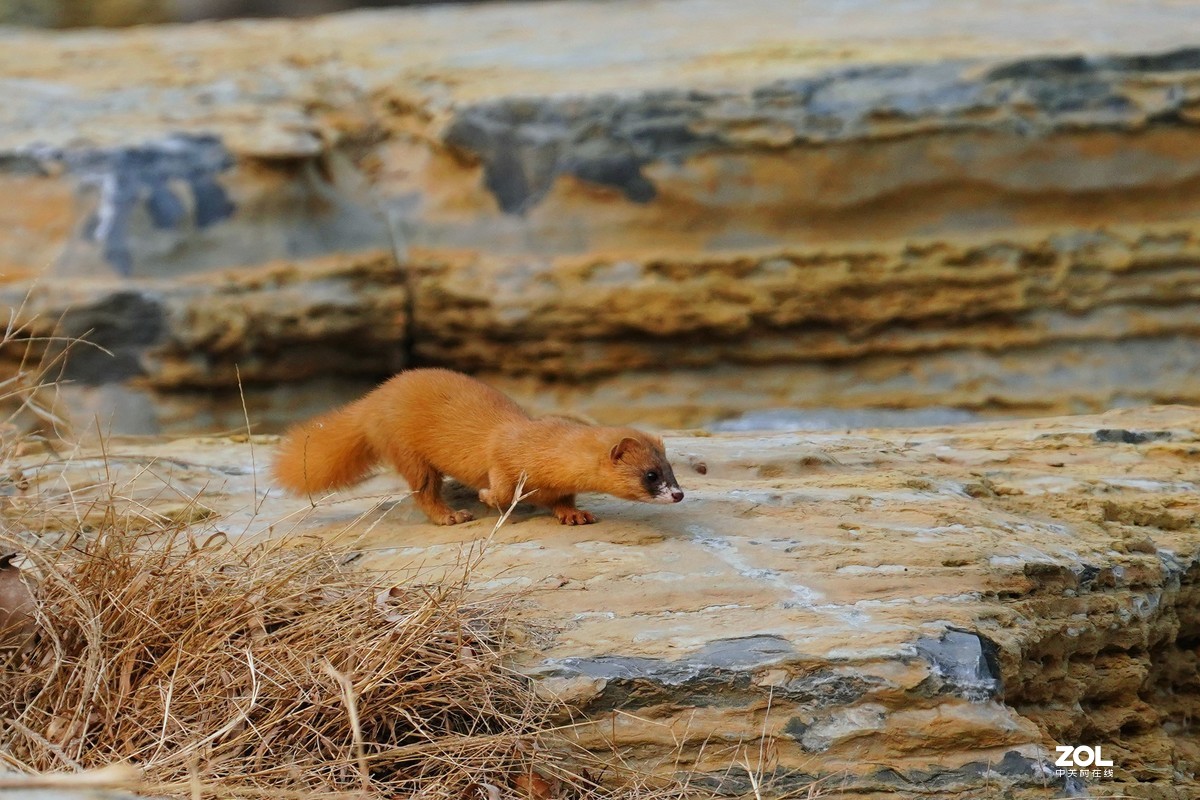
x=327, y=452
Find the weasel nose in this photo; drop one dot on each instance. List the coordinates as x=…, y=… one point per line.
x=676, y=496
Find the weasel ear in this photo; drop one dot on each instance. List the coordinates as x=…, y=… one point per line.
x=621, y=448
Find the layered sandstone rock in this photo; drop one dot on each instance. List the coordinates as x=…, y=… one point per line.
x=990, y=208
x=926, y=612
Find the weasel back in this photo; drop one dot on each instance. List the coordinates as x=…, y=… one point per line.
x=443, y=418
x=432, y=417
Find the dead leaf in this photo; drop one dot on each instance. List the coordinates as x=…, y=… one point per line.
x=533, y=786
x=16, y=605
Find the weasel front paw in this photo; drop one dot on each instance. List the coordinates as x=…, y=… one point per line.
x=455, y=517
x=575, y=516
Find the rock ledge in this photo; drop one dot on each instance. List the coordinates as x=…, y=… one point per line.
x=923, y=611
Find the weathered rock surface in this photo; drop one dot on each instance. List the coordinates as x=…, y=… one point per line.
x=988, y=207
x=115, y=782
x=341, y=314
x=921, y=612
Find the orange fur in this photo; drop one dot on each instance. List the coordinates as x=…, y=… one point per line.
x=427, y=423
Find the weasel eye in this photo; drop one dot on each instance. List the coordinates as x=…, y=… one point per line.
x=651, y=477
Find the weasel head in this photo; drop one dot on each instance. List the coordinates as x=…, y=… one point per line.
x=639, y=464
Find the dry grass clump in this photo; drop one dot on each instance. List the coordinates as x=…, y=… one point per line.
x=262, y=671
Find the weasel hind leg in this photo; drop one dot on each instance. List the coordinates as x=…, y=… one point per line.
x=426, y=484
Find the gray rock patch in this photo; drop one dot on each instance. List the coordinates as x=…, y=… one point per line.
x=154, y=176
x=963, y=664
x=120, y=326
x=525, y=144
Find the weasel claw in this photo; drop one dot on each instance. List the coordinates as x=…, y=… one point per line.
x=455, y=517
x=576, y=517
